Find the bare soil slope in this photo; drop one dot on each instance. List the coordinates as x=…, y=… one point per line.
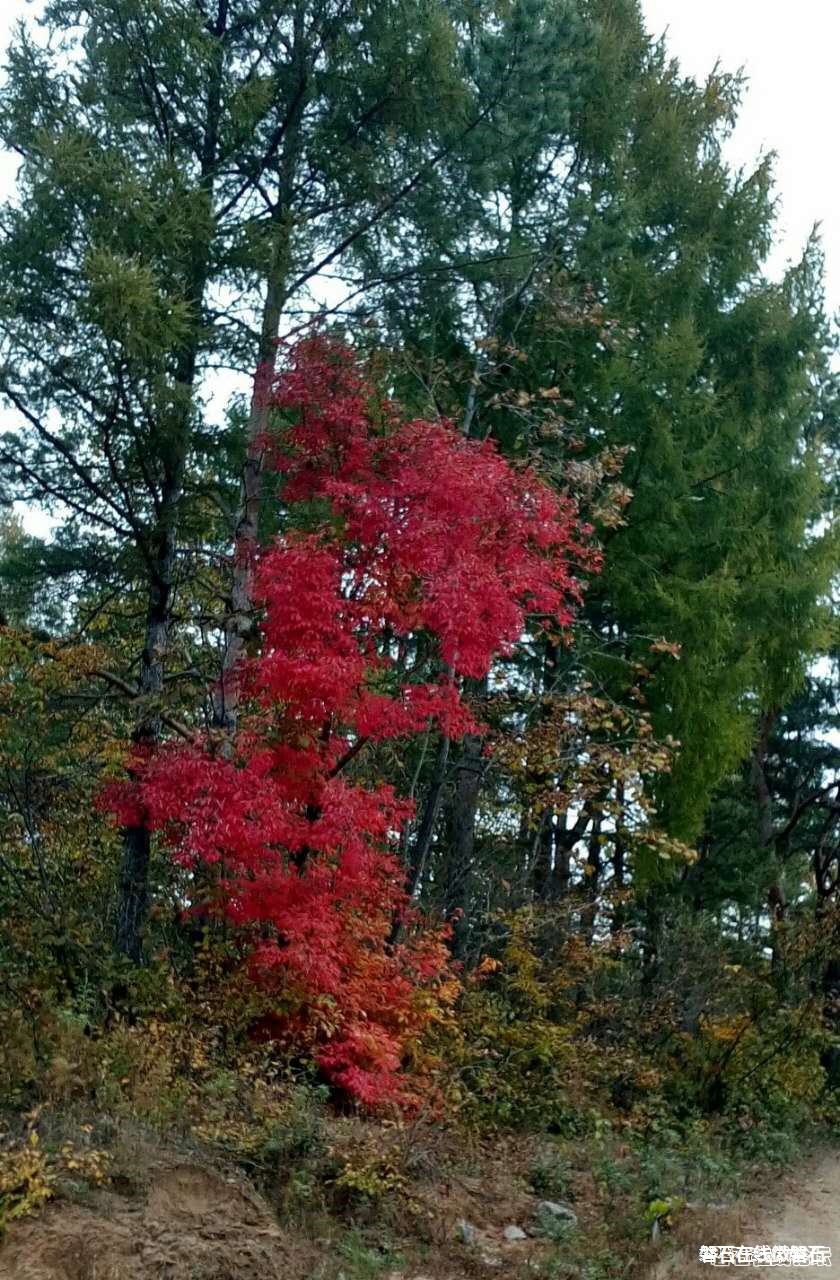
x=188, y=1223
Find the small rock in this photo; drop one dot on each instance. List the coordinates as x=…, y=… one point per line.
x=466, y=1231
x=512, y=1233
x=553, y=1209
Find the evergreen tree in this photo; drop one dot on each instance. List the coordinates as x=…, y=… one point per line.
x=641, y=318
x=185, y=176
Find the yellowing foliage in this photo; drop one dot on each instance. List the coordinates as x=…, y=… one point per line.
x=29, y=1174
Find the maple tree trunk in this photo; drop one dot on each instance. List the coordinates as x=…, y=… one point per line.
x=426, y=830
x=416, y=859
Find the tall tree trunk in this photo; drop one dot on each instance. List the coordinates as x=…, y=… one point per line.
x=565, y=839
x=239, y=623
x=619, y=869
x=767, y=837
x=428, y=821
x=416, y=856
x=542, y=868
x=134, y=869
x=133, y=890
x=547, y=845
x=469, y=772
x=591, y=884
x=758, y=777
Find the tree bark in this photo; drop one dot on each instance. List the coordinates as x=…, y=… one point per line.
x=426, y=830
x=134, y=869
x=591, y=884
x=543, y=860
x=619, y=869
x=133, y=890
x=547, y=844
x=758, y=776
x=459, y=868
x=239, y=623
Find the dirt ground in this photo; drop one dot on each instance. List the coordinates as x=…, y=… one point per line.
x=190, y=1224
x=801, y=1207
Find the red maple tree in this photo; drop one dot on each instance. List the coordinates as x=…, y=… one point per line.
x=397, y=531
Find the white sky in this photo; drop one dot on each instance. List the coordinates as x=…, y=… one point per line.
x=789, y=53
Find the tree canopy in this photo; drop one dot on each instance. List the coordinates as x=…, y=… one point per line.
x=435, y=632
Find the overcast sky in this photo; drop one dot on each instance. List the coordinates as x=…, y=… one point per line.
x=789, y=52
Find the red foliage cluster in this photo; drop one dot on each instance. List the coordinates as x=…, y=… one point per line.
x=441, y=532
x=419, y=533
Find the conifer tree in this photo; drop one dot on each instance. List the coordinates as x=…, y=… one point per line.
x=185, y=175
x=640, y=314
